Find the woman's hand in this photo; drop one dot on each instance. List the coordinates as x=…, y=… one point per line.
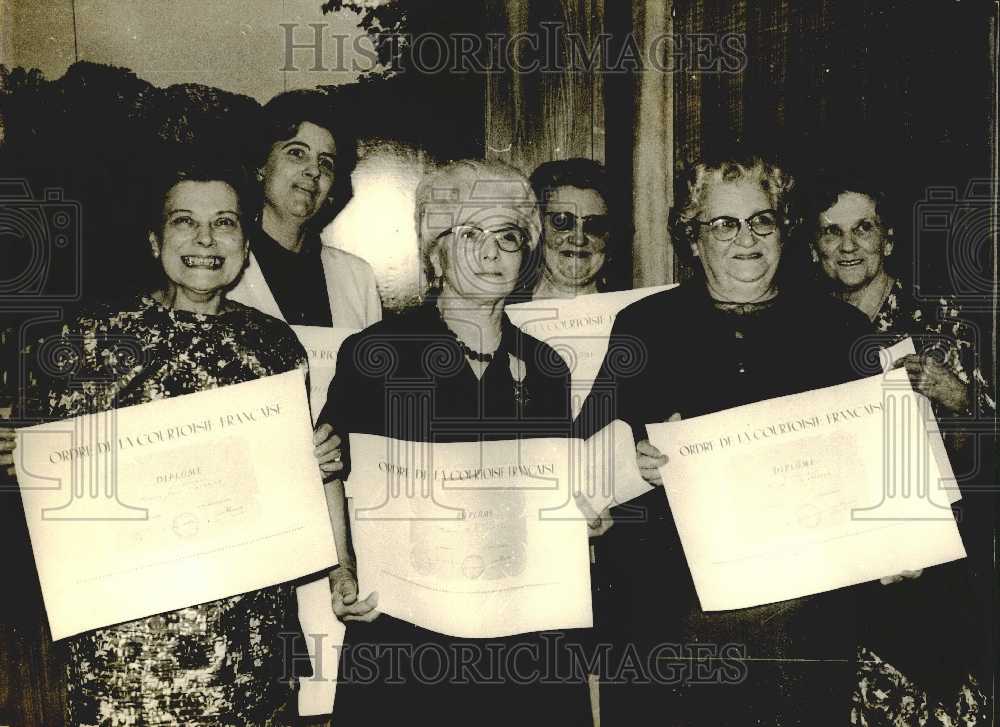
x=650, y=459
x=7, y=446
x=346, y=606
x=327, y=450
x=597, y=524
x=907, y=574
x=936, y=381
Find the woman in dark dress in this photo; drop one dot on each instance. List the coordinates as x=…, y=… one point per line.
x=217, y=663
x=728, y=337
x=453, y=369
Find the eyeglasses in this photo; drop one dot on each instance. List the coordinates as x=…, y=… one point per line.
x=597, y=225
x=726, y=228
x=509, y=238
x=865, y=230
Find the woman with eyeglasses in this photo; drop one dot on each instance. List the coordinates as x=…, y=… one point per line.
x=732, y=335
x=576, y=260
x=454, y=369
x=908, y=673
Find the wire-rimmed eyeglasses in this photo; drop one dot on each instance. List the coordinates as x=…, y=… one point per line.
x=509, y=238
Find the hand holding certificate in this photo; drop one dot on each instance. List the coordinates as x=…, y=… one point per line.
x=484, y=539
x=159, y=506
x=470, y=539
x=807, y=493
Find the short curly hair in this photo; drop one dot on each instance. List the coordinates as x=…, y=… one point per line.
x=468, y=189
x=694, y=180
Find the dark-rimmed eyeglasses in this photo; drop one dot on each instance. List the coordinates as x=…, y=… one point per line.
x=727, y=228
x=597, y=225
x=509, y=238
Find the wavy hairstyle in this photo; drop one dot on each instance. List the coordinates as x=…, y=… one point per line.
x=469, y=190
x=695, y=178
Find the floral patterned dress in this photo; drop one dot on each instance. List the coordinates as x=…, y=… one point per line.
x=885, y=696
x=216, y=663
x=937, y=327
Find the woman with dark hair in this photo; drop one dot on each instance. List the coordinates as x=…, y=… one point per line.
x=728, y=337
x=576, y=230
x=454, y=369
x=853, y=240
x=304, y=159
x=220, y=662
x=908, y=673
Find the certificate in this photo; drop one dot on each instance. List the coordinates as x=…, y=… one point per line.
x=888, y=357
x=807, y=493
x=322, y=344
x=168, y=504
x=324, y=633
x=472, y=540
x=578, y=329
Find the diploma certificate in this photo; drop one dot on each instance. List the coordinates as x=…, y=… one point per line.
x=168, y=504
x=472, y=540
x=322, y=345
x=578, y=329
x=808, y=493
x=324, y=633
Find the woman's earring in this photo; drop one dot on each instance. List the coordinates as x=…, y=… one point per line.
x=260, y=175
x=814, y=256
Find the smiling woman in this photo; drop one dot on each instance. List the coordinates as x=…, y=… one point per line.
x=200, y=244
x=576, y=231
x=216, y=661
x=304, y=157
x=732, y=336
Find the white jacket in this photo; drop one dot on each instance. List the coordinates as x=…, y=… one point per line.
x=350, y=287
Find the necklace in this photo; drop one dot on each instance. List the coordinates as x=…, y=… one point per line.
x=485, y=358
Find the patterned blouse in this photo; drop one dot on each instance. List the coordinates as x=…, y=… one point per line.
x=217, y=663
x=885, y=696
x=938, y=328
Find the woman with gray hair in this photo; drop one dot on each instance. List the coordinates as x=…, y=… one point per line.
x=462, y=372
x=733, y=335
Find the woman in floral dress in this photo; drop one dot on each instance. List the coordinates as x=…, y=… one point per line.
x=914, y=663
x=217, y=663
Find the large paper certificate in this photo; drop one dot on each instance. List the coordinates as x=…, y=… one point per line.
x=470, y=540
x=159, y=506
x=807, y=493
x=579, y=329
x=322, y=345
x=324, y=633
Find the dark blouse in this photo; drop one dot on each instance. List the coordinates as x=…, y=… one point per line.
x=676, y=351
x=413, y=359
x=407, y=378
x=296, y=280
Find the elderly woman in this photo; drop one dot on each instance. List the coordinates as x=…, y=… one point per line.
x=457, y=358
x=907, y=673
x=218, y=662
x=573, y=195
x=853, y=240
x=728, y=337
x=303, y=168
